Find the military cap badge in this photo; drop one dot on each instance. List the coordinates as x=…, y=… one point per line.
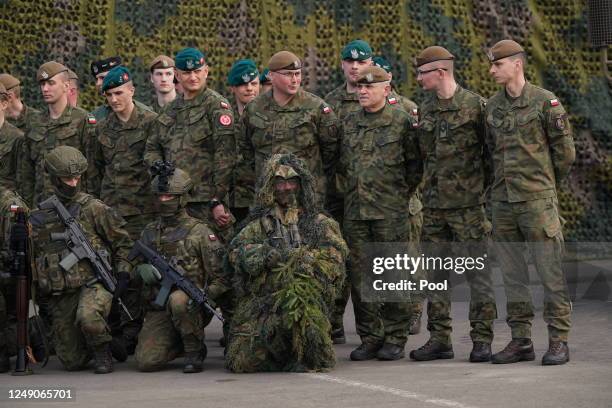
x=189, y=64
x=369, y=77
x=246, y=78
x=354, y=53
x=44, y=75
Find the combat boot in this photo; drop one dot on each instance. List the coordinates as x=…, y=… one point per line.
x=517, y=350
x=390, y=352
x=557, y=354
x=338, y=336
x=481, y=352
x=103, y=360
x=194, y=361
x=4, y=361
x=119, y=349
x=415, y=323
x=432, y=350
x=366, y=351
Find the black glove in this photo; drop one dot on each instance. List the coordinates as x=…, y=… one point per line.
x=123, y=281
x=19, y=233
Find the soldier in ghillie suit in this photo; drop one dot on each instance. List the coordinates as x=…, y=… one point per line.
x=288, y=267
x=179, y=326
x=78, y=310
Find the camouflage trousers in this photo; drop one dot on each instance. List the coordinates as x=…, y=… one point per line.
x=202, y=212
x=377, y=322
x=167, y=333
x=470, y=227
x=79, y=324
x=538, y=224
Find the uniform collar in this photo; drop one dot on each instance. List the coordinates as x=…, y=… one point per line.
x=523, y=100
x=381, y=118
x=132, y=123
x=452, y=105
x=294, y=105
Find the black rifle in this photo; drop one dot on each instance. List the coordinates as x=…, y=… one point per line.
x=81, y=248
x=171, y=274
x=20, y=269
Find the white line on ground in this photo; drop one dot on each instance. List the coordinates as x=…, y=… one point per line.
x=389, y=390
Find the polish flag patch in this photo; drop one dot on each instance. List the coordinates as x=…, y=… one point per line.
x=224, y=105
x=212, y=237
x=326, y=109
x=392, y=101
x=91, y=119
x=554, y=102
x=225, y=120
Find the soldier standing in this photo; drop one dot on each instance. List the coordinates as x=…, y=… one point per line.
x=124, y=177
x=264, y=81
x=243, y=80
x=73, y=88
x=59, y=125
x=162, y=77
x=356, y=56
x=11, y=140
x=179, y=326
x=451, y=139
x=196, y=133
x=530, y=140
x=19, y=114
x=78, y=310
x=379, y=160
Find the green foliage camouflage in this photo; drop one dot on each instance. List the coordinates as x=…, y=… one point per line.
x=554, y=33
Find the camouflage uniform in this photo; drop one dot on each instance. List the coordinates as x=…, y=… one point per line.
x=78, y=312
x=26, y=118
x=243, y=180
x=451, y=139
x=125, y=186
x=306, y=127
x=11, y=141
x=75, y=127
x=379, y=159
x=198, y=136
x=277, y=326
x=103, y=111
x=530, y=141
x=180, y=326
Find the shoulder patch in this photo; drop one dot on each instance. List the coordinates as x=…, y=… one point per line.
x=212, y=237
x=225, y=105
x=225, y=120
x=326, y=109
x=554, y=102
x=91, y=119
x=392, y=101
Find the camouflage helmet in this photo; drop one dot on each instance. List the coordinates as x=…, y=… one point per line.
x=169, y=179
x=65, y=161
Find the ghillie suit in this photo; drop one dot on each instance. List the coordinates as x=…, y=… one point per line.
x=288, y=264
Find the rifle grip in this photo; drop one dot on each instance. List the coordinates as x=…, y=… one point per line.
x=164, y=293
x=69, y=261
x=59, y=236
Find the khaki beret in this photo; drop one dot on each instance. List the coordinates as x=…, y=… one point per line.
x=284, y=60
x=434, y=53
x=503, y=49
x=49, y=69
x=372, y=75
x=72, y=75
x=9, y=81
x=2, y=89
x=161, y=62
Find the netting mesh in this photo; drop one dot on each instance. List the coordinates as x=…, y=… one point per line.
x=554, y=32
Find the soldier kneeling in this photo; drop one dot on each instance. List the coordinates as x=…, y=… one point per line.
x=79, y=303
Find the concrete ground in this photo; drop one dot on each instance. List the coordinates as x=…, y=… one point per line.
x=586, y=381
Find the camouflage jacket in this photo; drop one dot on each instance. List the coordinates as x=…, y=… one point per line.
x=380, y=162
x=531, y=144
x=343, y=102
x=102, y=225
x=451, y=138
x=25, y=119
x=119, y=157
x=11, y=141
x=75, y=127
x=194, y=246
x=243, y=179
x=306, y=126
x=401, y=101
x=198, y=136
x=102, y=111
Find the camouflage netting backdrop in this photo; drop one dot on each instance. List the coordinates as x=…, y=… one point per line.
x=554, y=33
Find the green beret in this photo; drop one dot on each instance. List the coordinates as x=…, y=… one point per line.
x=373, y=75
x=242, y=72
x=48, y=70
x=263, y=78
x=357, y=50
x=431, y=54
x=116, y=77
x=189, y=59
x=9, y=81
x=504, y=49
x=284, y=60
x=161, y=62
x=104, y=65
x=380, y=61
